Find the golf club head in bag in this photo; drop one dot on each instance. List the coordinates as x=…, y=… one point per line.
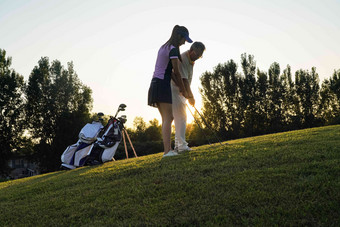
x=100, y=116
x=112, y=131
x=110, y=134
x=120, y=108
x=122, y=119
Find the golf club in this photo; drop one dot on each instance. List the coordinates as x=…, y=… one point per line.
x=122, y=119
x=120, y=108
x=206, y=123
x=100, y=116
x=205, y=135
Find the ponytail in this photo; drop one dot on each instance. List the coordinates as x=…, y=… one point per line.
x=176, y=36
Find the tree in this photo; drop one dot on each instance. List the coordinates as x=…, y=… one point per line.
x=213, y=97
x=288, y=93
x=232, y=98
x=307, y=92
x=334, y=83
x=248, y=97
x=11, y=110
x=139, y=126
x=220, y=93
x=329, y=104
x=330, y=99
x=275, y=98
x=154, y=131
x=262, y=107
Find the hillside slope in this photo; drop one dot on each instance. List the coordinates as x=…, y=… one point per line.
x=289, y=178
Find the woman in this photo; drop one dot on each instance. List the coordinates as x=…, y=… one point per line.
x=160, y=90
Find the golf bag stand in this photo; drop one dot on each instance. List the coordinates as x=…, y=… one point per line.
x=124, y=133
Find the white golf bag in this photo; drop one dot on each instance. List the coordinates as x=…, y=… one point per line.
x=96, y=145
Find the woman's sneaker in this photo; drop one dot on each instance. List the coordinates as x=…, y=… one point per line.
x=170, y=153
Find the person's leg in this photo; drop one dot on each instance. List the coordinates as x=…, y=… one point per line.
x=175, y=102
x=165, y=110
x=180, y=117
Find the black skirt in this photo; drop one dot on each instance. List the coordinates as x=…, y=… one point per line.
x=159, y=92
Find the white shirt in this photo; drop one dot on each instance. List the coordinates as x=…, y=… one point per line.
x=185, y=68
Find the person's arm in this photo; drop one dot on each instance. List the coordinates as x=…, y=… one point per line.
x=173, y=77
x=191, y=98
x=177, y=77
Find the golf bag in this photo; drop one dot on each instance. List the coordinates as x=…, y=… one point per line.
x=97, y=144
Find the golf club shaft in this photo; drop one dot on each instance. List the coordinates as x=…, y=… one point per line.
x=206, y=123
x=198, y=124
x=117, y=112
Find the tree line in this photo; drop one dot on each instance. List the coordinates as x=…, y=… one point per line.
x=40, y=117
x=255, y=102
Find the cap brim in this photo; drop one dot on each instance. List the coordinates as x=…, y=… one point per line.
x=188, y=39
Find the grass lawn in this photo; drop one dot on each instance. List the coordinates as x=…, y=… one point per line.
x=284, y=179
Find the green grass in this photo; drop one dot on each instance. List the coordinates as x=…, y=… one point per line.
x=284, y=179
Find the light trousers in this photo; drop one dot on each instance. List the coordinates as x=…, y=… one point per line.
x=180, y=117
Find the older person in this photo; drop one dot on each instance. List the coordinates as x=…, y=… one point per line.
x=178, y=101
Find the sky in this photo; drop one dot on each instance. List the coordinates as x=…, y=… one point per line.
x=114, y=43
